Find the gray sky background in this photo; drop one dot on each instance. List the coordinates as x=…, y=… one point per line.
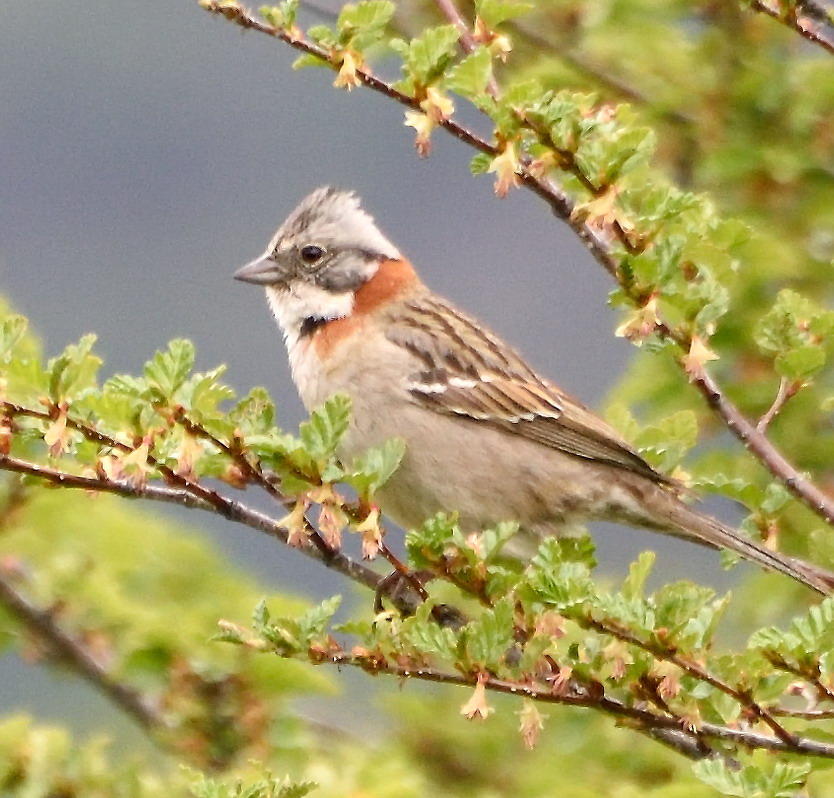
x=147, y=149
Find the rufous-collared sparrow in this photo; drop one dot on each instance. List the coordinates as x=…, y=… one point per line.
x=485, y=435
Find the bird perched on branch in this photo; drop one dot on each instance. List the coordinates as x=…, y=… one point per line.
x=485, y=434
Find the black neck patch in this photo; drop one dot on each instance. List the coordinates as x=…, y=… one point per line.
x=310, y=325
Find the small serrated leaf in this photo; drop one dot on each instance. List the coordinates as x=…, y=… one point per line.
x=326, y=427
x=375, y=467
x=470, y=77
x=168, y=369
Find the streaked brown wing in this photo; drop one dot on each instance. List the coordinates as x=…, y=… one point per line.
x=471, y=373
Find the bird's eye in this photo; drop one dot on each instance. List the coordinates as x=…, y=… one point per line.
x=311, y=253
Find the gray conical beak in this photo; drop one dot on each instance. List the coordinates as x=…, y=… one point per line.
x=261, y=271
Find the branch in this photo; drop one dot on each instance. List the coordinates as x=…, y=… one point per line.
x=189, y=493
x=661, y=652
x=823, y=691
x=643, y=718
x=787, y=390
x=42, y=624
x=601, y=244
x=467, y=40
x=253, y=473
x=65, y=479
x=805, y=27
x=229, y=508
x=450, y=11
x=759, y=445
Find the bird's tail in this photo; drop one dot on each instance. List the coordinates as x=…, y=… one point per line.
x=712, y=532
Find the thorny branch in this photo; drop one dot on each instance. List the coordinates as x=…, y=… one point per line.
x=187, y=492
x=603, y=245
x=695, y=670
x=253, y=473
x=642, y=718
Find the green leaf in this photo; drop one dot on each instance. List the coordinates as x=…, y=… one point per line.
x=428, y=637
x=322, y=35
x=369, y=14
x=480, y=163
x=314, y=622
x=426, y=543
x=203, y=393
x=494, y=12
x=793, y=331
x=638, y=572
x=281, y=16
x=488, y=638
x=698, y=631
x=309, y=60
x=326, y=427
x=273, y=15
x=750, y=781
x=291, y=636
x=801, y=363
x=267, y=787
x=666, y=442
x=678, y=602
x=495, y=538
x=11, y=331
x=73, y=371
x=560, y=574
x=810, y=634
x=260, y=615
x=427, y=57
x=168, y=369
x=375, y=467
x=470, y=77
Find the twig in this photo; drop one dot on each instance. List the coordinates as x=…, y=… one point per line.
x=43, y=625
x=450, y=11
x=467, y=39
x=228, y=508
x=823, y=691
x=661, y=652
x=644, y=718
x=775, y=462
x=201, y=496
x=793, y=21
x=65, y=479
x=403, y=570
x=804, y=714
x=787, y=389
x=254, y=473
x=601, y=246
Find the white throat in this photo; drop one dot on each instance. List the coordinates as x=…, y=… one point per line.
x=290, y=309
x=303, y=301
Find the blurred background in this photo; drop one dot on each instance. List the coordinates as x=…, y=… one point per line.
x=147, y=149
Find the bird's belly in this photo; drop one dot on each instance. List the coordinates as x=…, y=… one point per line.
x=454, y=464
x=483, y=474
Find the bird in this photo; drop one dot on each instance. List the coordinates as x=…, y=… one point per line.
x=486, y=436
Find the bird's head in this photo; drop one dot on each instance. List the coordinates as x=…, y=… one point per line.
x=326, y=251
